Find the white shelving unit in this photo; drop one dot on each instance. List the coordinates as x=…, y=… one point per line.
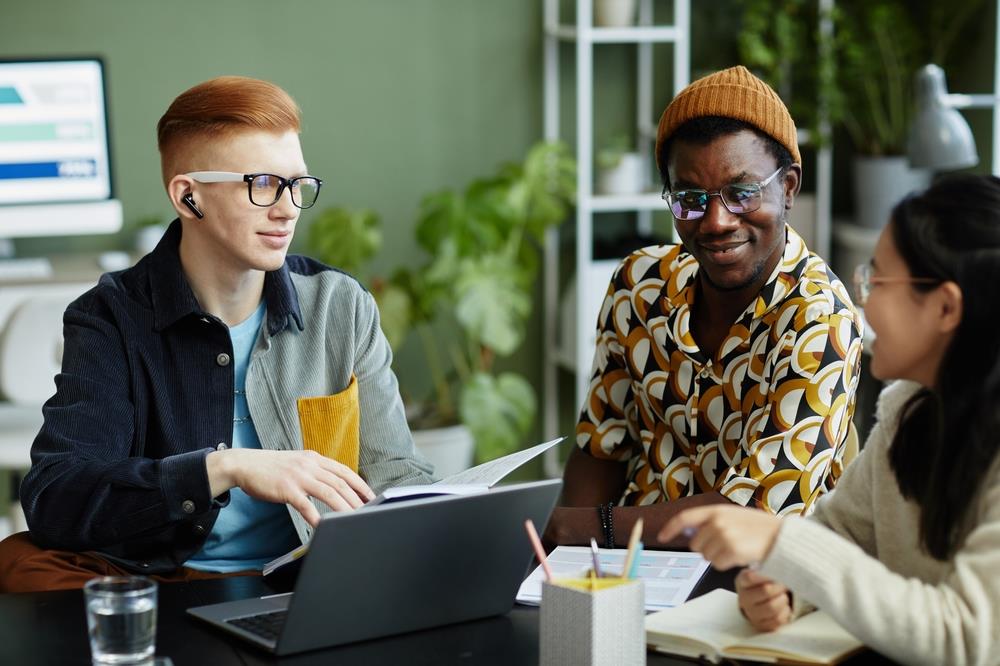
x=573, y=350
x=592, y=276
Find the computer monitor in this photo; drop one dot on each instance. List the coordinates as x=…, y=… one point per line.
x=55, y=159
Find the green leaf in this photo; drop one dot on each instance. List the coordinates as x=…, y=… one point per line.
x=395, y=310
x=492, y=302
x=345, y=239
x=498, y=410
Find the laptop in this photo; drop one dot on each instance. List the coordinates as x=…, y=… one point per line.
x=398, y=567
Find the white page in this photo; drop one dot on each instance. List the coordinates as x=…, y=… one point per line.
x=668, y=576
x=815, y=636
x=490, y=473
x=429, y=490
x=713, y=618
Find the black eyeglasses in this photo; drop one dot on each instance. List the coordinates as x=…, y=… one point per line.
x=738, y=198
x=266, y=188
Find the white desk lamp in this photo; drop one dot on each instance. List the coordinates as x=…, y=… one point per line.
x=940, y=137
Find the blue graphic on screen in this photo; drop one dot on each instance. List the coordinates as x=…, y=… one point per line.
x=53, y=132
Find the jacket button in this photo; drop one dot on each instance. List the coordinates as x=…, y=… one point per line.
x=221, y=446
x=199, y=529
x=187, y=506
x=222, y=359
x=143, y=565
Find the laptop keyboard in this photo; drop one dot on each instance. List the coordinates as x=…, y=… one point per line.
x=265, y=625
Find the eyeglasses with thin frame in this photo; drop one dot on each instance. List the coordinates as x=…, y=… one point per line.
x=738, y=198
x=265, y=189
x=864, y=278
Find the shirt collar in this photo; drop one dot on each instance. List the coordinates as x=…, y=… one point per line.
x=782, y=280
x=173, y=298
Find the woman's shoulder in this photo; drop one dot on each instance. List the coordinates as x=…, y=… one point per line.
x=894, y=396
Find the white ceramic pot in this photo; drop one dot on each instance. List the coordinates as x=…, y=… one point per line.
x=146, y=238
x=627, y=177
x=614, y=13
x=450, y=449
x=880, y=183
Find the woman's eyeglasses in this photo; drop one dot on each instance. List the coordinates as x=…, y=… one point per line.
x=864, y=278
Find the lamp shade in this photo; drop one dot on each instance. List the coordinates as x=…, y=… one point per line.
x=940, y=138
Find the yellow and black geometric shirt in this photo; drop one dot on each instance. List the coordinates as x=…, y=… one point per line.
x=763, y=422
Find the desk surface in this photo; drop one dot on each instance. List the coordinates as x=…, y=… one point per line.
x=50, y=628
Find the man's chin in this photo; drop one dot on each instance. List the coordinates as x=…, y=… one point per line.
x=729, y=282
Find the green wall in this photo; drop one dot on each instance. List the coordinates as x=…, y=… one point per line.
x=399, y=98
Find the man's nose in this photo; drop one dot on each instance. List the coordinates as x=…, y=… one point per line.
x=717, y=219
x=284, y=205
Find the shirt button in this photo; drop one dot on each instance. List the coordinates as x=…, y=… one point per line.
x=187, y=506
x=221, y=446
x=222, y=359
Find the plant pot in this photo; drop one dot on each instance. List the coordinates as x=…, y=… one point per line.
x=147, y=237
x=627, y=177
x=880, y=183
x=614, y=13
x=449, y=449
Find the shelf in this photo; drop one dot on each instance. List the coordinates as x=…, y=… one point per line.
x=633, y=35
x=563, y=359
x=607, y=203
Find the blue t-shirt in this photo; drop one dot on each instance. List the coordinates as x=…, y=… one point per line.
x=249, y=532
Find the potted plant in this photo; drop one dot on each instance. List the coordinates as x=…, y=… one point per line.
x=781, y=42
x=148, y=231
x=879, y=48
x=475, y=283
x=614, y=13
x=620, y=170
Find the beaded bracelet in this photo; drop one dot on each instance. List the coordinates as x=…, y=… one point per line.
x=604, y=512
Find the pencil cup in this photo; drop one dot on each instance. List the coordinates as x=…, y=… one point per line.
x=593, y=622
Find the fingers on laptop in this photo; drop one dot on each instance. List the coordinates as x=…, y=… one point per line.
x=356, y=483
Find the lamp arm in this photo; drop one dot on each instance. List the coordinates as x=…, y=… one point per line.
x=960, y=101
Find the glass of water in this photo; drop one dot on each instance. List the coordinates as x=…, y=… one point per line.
x=121, y=619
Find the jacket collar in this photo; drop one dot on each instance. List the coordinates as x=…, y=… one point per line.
x=173, y=299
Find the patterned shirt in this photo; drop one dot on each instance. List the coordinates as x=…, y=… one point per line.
x=763, y=422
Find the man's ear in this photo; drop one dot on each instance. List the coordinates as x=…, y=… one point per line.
x=793, y=183
x=949, y=306
x=179, y=187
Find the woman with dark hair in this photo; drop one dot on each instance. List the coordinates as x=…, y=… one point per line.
x=905, y=553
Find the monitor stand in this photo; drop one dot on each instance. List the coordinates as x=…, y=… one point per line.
x=17, y=269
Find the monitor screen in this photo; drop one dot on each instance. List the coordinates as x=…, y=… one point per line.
x=55, y=166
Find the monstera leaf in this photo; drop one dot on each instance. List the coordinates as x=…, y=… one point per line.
x=492, y=302
x=395, y=309
x=345, y=239
x=498, y=410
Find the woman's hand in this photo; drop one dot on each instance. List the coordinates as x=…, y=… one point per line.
x=766, y=603
x=727, y=536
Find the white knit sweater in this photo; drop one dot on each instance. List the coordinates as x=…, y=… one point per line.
x=869, y=571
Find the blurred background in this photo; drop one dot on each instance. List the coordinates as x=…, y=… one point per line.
x=424, y=119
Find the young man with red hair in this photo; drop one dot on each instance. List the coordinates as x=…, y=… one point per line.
x=220, y=395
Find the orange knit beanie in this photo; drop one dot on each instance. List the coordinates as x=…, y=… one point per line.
x=732, y=93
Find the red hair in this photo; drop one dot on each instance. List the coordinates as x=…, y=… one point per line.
x=221, y=106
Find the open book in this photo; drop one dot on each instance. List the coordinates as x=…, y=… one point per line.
x=712, y=627
x=467, y=482
x=476, y=479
